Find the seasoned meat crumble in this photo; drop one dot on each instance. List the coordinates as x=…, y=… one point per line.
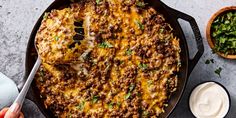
x=107, y=58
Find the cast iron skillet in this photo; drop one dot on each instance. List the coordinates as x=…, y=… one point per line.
x=171, y=16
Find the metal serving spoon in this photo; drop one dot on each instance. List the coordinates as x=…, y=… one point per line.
x=17, y=104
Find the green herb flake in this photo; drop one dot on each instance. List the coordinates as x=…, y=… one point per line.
x=145, y=114
x=105, y=45
x=122, y=62
x=95, y=99
x=161, y=30
x=81, y=105
x=207, y=61
x=56, y=38
x=150, y=82
x=110, y=105
x=98, y=2
x=143, y=66
x=131, y=87
x=140, y=4
x=127, y=96
x=118, y=104
x=128, y=52
x=218, y=71
x=212, y=60
x=139, y=24
x=45, y=15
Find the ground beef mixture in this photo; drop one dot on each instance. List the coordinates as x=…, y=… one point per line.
x=107, y=58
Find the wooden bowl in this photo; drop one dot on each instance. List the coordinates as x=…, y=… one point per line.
x=208, y=30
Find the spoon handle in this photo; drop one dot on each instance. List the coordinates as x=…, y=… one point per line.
x=21, y=97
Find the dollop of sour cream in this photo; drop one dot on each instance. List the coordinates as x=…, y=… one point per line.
x=209, y=100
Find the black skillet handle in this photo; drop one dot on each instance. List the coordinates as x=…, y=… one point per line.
x=198, y=38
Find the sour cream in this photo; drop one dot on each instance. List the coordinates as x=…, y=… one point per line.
x=209, y=100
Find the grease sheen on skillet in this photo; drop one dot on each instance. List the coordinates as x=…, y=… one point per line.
x=124, y=67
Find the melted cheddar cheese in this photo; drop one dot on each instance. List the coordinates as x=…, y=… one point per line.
x=125, y=66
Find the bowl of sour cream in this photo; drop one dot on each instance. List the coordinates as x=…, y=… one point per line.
x=209, y=100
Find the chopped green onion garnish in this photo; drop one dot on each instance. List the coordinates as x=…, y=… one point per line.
x=218, y=71
x=127, y=95
x=98, y=1
x=128, y=52
x=56, y=38
x=140, y=4
x=143, y=66
x=105, y=45
x=95, y=99
x=139, y=24
x=81, y=105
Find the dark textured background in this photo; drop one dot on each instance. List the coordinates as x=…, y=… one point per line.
x=17, y=18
